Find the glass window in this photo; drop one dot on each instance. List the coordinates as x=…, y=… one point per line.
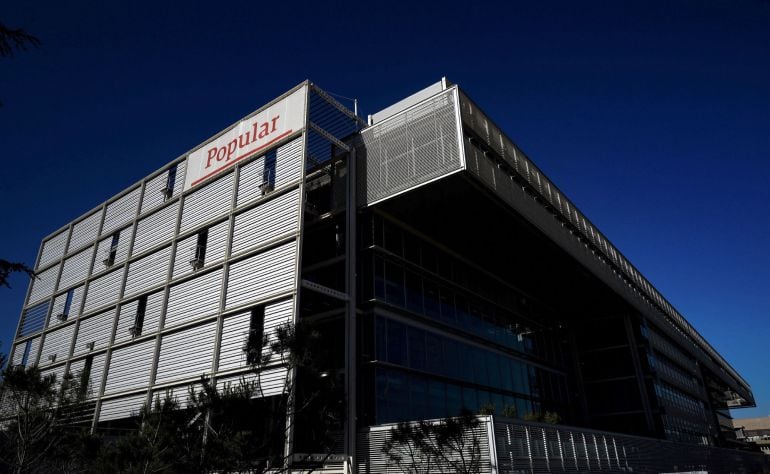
x=454, y=402
x=416, y=348
x=394, y=284
x=447, y=306
x=380, y=338
x=414, y=292
x=436, y=399
x=433, y=357
x=379, y=278
x=470, y=399
x=432, y=303
x=418, y=390
x=396, y=343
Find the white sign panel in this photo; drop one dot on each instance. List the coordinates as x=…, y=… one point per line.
x=249, y=138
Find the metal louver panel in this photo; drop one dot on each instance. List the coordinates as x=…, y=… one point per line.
x=148, y=271
x=266, y=222
x=217, y=243
x=270, y=382
x=235, y=333
x=410, y=148
x=53, y=249
x=18, y=352
x=85, y=231
x=127, y=318
x=277, y=314
x=156, y=229
x=180, y=395
x=76, y=268
x=186, y=354
x=289, y=162
x=33, y=319
x=94, y=382
x=194, y=298
x=249, y=181
x=207, y=203
x=185, y=251
x=121, y=211
x=130, y=367
x=43, y=284
x=103, y=291
x=121, y=252
x=123, y=407
x=264, y=275
x=59, y=304
x=154, y=192
x=57, y=372
x=95, y=330
x=215, y=249
x=57, y=343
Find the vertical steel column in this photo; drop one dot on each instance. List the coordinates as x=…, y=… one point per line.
x=351, y=360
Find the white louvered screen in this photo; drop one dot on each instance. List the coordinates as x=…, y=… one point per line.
x=207, y=203
x=121, y=211
x=121, y=251
x=264, y=275
x=277, y=314
x=156, y=229
x=76, y=268
x=57, y=343
x=215, y=249
x=33, y=319
x=270, y=382
x=18, y=352
x=127, y=318
x=268, y=221
x=58, y=315
x=43, y=284
x=186, y=354
x=147, y=272
x=85, y=231
x=249, y=181
x=123, y=407
x=103, y=291
x=53, y=249
x=130, y=367
x=289, y=162
x=94, y=382
x=194, y=298
x=235, y=332
x=96, y=330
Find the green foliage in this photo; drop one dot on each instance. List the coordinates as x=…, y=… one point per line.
x=487, y=409
x=449, y=445
x=510, y=411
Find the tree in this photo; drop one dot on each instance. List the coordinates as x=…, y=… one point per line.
x=6, y=268
x=17, y=39
x=448, y=445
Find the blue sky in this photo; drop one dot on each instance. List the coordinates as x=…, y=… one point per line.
x=653, y=116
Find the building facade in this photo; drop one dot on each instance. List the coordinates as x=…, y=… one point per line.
x=443, y=268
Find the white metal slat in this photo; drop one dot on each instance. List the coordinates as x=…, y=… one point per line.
x=18, y=352
x=130, y=367
x=181, y=170
x=94, y=382
x=96, y=330
x=288, y=162
x=57, y=343
x=277, y=314
x=53, y=249
x=272, y=381
x=207, y=203
x=215, y=249
x=121, y=211
x=153, y=192
x=59, y=304
x=76, y=268
x=121, y=252
x=85, y=231
x=180, y=394
x=58, y=372
x=235, y=331
x=156, y=229
x=123, y=407
x=43, y=285
x=147, y=272
x=266, y=222
x=103, y=291
x=194, y=298
x=261, y=276
x=249, y=181
x=186, y=354
x=127, y=317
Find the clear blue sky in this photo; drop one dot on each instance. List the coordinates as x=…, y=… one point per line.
x=653, y=116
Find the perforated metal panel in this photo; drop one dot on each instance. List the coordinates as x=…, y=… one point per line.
x=409, y=149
